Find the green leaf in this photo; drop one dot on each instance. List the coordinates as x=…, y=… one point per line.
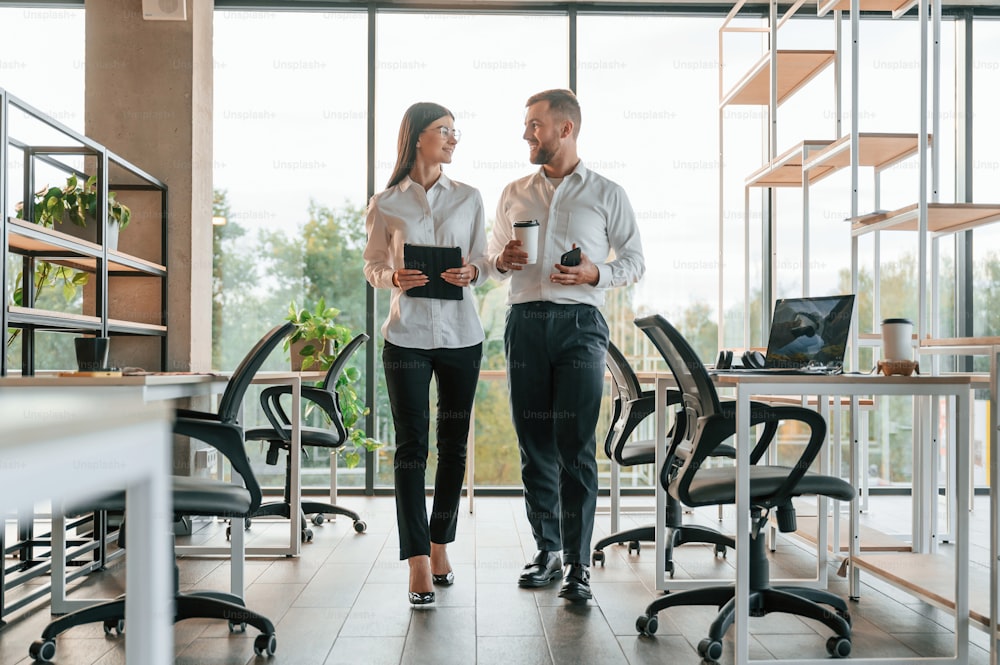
x=352, y=458
x=68, y=291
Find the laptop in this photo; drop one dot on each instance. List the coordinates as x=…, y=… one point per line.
x=808, y=335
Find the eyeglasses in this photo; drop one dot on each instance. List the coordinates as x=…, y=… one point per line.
x=446, y=131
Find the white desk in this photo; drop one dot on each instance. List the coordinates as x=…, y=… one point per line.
x=131, y=391
x=853, y=386
x=70, y=447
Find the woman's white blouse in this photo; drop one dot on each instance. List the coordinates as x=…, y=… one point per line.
x=449, y=214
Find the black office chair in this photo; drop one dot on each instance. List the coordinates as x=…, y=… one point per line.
x=771, y=487
x=279, y=436
x=193, y=496
x=632, y=405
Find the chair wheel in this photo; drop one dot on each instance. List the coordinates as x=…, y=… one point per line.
x=42, y=651
x=634, y=546
x=838, y=647
x=597, y=558
x=360, y=526
x=246, y=523
x=646, y=625
x=233, y=626
x=720, y=549
x=307, y=535
x=318, y=519
x=265, y=645
x=710, y=649
x=116, y=626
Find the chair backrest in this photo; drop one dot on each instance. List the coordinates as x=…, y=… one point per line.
x=626, y=382
x=340, y=362
x=630, y=406
x=232, y=397
x=700, y=398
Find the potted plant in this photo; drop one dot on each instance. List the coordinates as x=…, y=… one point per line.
x=317, y=340
x=77, y=204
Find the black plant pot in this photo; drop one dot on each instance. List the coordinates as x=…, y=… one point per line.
x=91, y=353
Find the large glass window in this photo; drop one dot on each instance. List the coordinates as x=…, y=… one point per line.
x=290, y=134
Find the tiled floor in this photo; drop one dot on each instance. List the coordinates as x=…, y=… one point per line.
x=344, y=601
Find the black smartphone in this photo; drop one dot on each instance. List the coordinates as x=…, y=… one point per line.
x=571, y=258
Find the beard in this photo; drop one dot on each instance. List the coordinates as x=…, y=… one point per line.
x=544, y=153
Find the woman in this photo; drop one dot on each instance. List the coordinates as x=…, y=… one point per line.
x=427, y=337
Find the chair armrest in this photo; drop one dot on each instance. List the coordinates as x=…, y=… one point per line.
x=228, y=440
x=270, y=401
x=199, y=415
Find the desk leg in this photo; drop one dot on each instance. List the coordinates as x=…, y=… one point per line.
x=295, y=453
x=660, y=409
x=963, y=453
x=149, y=614
x=856, y=467
x=743, y=443
x=994, y=468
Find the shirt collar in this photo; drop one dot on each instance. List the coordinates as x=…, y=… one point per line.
x=580, y=170
x=443, y=181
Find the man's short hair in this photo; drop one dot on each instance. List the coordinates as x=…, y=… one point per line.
x=561, y=101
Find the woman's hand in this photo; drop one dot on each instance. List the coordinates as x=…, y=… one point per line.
x=408, y=278
x=461, y=276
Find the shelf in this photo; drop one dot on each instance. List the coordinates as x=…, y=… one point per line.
x=795, y=69
x=28, y=238
x=961, y=341
x=132, y=328
x=785, y=170
x=897, y=7
x=876, y=150
x=61, y=249
x=932, y=576
x=42, y=318
x=942, y=218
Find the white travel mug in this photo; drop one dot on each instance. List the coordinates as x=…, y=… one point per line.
x=897, y=339
x=527, y=233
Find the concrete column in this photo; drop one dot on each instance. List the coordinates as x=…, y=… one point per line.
x=149, y=99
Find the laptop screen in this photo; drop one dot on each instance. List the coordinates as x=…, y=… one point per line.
x=805, y=330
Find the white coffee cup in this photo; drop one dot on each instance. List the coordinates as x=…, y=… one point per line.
x=897, y=339
x=527, y=233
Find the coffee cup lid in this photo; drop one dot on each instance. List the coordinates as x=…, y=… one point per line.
x=528, y=222
x=885, y=321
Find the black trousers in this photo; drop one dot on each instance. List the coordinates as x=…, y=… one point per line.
x=555, y=368
x=408, y=375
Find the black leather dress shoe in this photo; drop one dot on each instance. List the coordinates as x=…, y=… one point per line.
x=544, y=568
x=444, y=580
x=577, y=585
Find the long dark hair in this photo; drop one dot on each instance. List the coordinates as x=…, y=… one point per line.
x=416, y=119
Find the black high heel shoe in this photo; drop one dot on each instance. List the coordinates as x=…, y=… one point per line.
x=444, y=580
x=421, y=597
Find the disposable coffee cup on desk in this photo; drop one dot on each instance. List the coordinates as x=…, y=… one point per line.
x=91, y=353
x=527, y=233
x=897, y=339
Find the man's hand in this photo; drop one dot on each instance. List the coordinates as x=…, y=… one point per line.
x=512, y=257
x=585, y=273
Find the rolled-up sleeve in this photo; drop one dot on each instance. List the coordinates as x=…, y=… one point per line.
x=379, y=266
x=628, y=264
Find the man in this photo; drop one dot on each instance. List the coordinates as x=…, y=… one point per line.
x=556, y=338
